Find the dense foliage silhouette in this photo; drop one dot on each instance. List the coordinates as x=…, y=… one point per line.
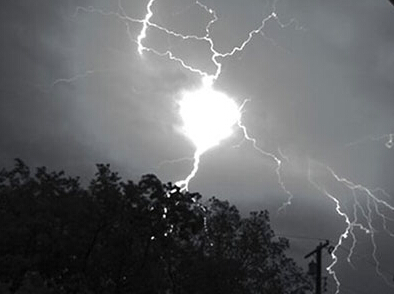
x=126, y=237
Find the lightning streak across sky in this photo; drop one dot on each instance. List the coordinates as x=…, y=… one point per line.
x=204, y=126
x=207, y=79
x=371, y=208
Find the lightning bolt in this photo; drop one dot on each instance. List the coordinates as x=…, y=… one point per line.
x=145, y=24
x=184, y=184
x=277, y=161
x=69, y=80
x=361, y=212
x=209, y=79
x=373, y=205
x=174, y=161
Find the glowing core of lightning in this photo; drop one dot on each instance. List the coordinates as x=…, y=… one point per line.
x=208, y=118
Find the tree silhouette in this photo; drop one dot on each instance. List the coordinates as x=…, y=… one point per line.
x=126, y=237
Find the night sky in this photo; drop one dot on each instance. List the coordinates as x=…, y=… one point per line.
x=320, y=80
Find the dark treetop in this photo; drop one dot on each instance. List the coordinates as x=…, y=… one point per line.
x=125, y=237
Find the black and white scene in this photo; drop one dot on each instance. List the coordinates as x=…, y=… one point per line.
x=197, y=147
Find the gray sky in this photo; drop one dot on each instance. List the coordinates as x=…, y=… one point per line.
x=75, y=92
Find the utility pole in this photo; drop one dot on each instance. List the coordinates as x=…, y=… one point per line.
x=318, y=253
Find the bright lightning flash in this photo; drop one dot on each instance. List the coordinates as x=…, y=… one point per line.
x=209, y=117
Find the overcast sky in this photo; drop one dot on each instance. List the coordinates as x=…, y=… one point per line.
x=75, y=92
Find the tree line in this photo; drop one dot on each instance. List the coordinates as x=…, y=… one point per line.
x=119, y=236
